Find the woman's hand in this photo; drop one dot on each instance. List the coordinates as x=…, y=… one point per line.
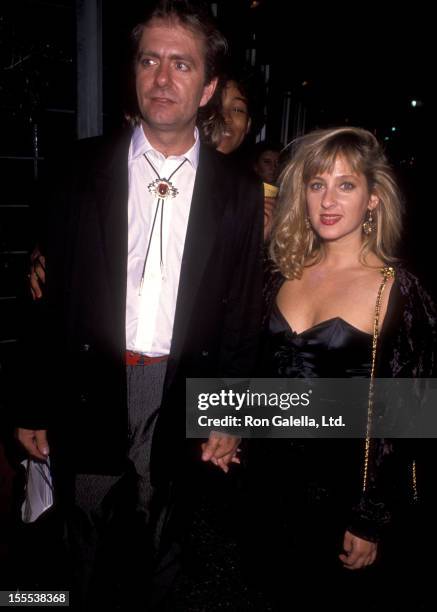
x=357, y=553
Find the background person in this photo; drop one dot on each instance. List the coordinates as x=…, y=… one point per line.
x=266, y=165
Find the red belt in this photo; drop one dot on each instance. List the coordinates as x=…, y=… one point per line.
x=137, y=359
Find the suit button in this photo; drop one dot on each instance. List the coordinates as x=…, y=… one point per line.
x=85, y=348
x=205, y=353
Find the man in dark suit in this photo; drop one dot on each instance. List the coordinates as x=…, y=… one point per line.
x=153, y=275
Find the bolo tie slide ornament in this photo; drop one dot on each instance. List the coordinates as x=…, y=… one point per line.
x=162, y=189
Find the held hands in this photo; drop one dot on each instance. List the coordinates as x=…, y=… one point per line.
x=35, y=442
x=37, y=275
x=221, y=449
x=358, y=553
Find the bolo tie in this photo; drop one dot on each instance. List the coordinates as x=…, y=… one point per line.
x=162, y=188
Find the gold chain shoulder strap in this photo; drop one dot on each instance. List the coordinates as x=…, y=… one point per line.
x=387, y=272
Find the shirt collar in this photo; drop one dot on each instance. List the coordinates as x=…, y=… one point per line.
x=140, y=145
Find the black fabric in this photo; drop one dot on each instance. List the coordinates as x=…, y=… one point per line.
x=304, y=355
x=329, y=470
x=76, y=383
x=407, y=347
x=303, y=494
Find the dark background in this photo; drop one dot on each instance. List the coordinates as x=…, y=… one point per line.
x=334, y=66
x=353, y=65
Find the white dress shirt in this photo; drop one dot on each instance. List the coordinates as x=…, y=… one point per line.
x=150, y=312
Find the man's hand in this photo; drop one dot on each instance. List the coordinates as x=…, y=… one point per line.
x=35, y=442
x=358, y=553
x=221, y=449
x=37, y=275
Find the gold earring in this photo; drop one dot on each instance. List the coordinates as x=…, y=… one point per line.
x=369, y=225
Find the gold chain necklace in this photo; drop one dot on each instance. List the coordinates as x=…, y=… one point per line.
x=387, y=272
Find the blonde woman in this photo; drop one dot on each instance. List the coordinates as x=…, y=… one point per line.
x=332, y=253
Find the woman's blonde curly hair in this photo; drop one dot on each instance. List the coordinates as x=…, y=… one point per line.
x=293, y=244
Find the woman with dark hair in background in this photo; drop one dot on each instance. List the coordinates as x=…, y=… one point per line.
x=226, y=121
x=338, y=305
x=225, y=124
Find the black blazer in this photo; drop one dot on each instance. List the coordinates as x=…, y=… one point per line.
x=77, y=381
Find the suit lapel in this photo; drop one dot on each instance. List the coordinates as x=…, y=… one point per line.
x=205, y=213
x=112, y=198
x=207, y=207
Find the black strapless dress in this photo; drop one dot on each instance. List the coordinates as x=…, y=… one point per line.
x=330, y=349
x=302, y=491
x=329, y=469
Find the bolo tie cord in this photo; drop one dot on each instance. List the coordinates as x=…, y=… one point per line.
x=160, y=202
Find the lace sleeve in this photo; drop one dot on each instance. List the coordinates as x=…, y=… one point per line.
x=372, y=514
